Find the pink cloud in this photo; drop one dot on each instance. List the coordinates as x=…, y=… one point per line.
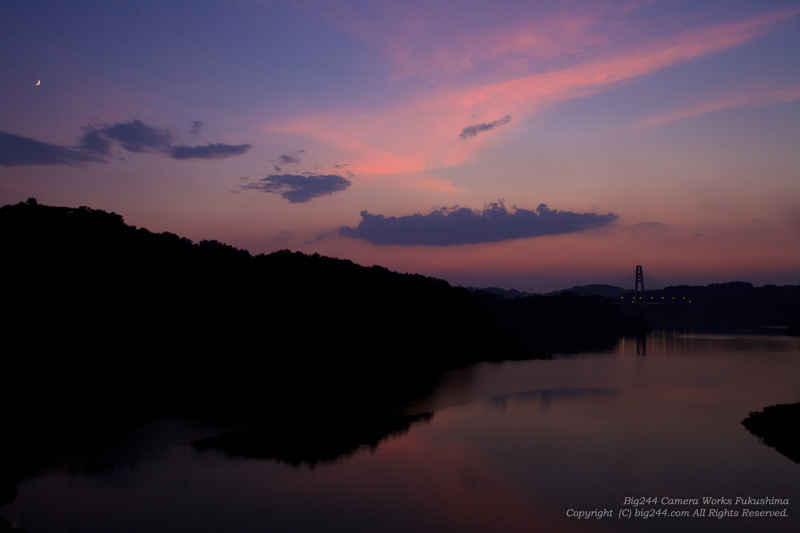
x=421, y=132
x=502, y=52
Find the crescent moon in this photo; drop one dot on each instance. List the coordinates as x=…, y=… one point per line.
x=38, y=82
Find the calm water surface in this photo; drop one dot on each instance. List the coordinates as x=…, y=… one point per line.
x=511, y=447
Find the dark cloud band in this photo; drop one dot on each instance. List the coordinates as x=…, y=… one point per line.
x=22, y=151
x=209, y=151
x=462, y=225
x=287, y=159
x=298, y=188
x=136, y=136
x=96, y=143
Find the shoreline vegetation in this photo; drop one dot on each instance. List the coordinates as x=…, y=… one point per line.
x=107, y=325
x=776, y=426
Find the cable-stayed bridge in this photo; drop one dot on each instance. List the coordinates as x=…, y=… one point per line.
x=633, y=276
x=650, y=289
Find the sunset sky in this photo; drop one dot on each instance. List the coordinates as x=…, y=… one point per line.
x=518, y=144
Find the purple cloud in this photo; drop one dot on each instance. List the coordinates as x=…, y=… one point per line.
x=197, y=127
x=298, y=188
x=462, y=225
x=136, y=136
x=209, y=151
x=472, y=131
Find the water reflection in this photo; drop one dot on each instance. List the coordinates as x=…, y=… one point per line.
x=673, y=343
x=544, y=397
x=510, y=447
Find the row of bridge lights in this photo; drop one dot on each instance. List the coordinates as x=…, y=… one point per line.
x=639, y=297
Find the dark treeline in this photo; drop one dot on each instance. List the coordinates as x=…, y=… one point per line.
x=776, y=426
x=722, y=306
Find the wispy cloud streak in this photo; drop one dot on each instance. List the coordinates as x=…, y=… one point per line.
x=209, y=151
x=420, y=137
x=16, y=150
x=755, y=99
x=472, y=131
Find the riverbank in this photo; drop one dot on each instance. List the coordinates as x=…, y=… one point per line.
x=776, y=426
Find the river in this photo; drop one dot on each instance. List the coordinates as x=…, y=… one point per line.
x=521, y=446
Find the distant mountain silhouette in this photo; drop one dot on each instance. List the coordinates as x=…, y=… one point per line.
x=721, y=307
x=607, y=291
x=504, y=293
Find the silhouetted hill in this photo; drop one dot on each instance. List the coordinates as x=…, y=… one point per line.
x=504, y=293
x=106, y=322
x=607, y=291
x=141, y=307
